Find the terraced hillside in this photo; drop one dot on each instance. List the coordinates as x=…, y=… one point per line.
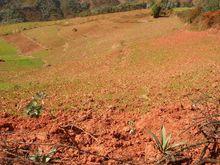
x=108, y=79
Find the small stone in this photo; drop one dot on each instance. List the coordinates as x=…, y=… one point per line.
x=126, y=129
x=74, y=29
x=1, y=60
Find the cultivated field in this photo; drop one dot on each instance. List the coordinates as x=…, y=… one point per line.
x=108, y=79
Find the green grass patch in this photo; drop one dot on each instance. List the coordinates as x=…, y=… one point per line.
x=19, y=27
x=25, y=63
x=40, y=54
x=12, y=61
x=181, y=9
x=7, y=51
x=5, y=86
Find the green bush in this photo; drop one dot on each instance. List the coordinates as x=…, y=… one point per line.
x=156, y=9
x=211, y=5
x=163, y=7
x=35, y=106
x=208, y=5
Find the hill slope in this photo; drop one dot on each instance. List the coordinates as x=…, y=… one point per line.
x=108, y=79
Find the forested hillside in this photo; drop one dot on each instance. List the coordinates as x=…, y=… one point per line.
x=42, y=10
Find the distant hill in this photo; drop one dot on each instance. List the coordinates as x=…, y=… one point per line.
x=40, y=10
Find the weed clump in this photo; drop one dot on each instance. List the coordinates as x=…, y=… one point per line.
x=35, y=106
x=40, y=157
x=164, y=144
x=169, y=150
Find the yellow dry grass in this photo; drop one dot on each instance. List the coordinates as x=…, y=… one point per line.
x=127, y=56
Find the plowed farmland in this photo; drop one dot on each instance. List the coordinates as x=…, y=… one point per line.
x=107, y=81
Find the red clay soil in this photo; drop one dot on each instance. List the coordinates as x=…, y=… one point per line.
x=211, y=19
x=89, y=137
x=24, y=44
x=88, y=130
x=180, y=38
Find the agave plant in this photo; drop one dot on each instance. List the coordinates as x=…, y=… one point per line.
x=164, y=145
x=39, y=157
x=33, y=109
x=35, y=106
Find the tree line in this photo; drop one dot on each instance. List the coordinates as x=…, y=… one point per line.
x=12, y=11
x=42, y=10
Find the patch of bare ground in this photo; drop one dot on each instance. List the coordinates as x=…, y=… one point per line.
x=185, y=37
x=25, y=45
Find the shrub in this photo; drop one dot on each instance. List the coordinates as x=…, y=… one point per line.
x=156, y=10
x=35, y=106
x=162, y=7
x=208, y=5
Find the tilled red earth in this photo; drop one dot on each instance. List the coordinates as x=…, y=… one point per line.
x=90, y=137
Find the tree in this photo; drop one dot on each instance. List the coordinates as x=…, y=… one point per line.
x=11, y=12
x=85, y=5
x=158, y=6
x=74, y=6
x=49, y=8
